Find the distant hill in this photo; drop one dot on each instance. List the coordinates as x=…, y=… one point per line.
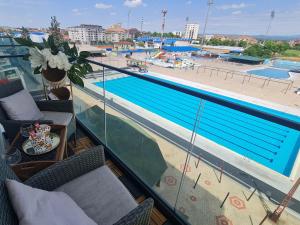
x=269, y=37
x=277, y=37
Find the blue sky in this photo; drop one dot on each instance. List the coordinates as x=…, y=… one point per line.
x=227, y=16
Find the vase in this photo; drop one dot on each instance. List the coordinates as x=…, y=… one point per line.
x=54, y=76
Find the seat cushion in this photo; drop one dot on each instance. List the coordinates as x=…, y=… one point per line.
x=60, y=118
x=21, y=106
x=101, y=196
x=34, y=206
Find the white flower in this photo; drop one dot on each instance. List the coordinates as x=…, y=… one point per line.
x=45, y=57
x=37, y=58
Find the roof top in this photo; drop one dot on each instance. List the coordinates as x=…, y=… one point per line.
x=124, y=43
x=246, y=58
x=180, y=49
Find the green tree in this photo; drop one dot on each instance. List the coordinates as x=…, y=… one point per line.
x=54, y=30
x=141, y=44
x=242, y=44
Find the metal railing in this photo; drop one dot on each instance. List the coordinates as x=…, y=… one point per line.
x=263, y=115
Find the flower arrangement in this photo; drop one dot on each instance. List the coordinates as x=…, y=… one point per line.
x=48, y=55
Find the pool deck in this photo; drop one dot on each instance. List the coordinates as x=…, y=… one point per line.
x=208, y=190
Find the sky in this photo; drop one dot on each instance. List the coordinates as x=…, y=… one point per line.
x=225, y=17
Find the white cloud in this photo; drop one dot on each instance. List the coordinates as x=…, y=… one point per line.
x=77, y=12
x=101, y=5
x=238, y=12
x=189, y=2
x=235, y=6
x=112, y=13
x=133, y=3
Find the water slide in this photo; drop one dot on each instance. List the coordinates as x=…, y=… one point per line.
x=158, y=55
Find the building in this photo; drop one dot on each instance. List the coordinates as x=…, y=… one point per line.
x=116, y=33
x=86, y=34
x=182, y=43
x=123, y=45
x=191, y=31
x=134, y=33
x=177, y=33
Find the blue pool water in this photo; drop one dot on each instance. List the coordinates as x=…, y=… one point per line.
x=286, y=64
x=270, y=72
x=267, y=143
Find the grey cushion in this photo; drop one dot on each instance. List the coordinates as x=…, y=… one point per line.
x=101, y=195
x=21, y=106
x=61, y=118
x=35, y=207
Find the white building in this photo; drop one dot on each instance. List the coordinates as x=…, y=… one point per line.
x=177, y=33
x=191, y=31
x=86, y=34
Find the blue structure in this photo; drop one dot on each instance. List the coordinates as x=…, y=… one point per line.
x=180, y=49
x=166, y=41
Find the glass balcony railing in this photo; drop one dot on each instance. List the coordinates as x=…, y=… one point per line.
x=204, y=154
x=208, y=158
x=13, y=67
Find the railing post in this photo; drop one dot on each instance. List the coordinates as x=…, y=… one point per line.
x=104, y=104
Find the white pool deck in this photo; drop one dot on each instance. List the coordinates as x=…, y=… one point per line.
x=251, y=167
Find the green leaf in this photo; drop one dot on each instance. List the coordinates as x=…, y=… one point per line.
x=37, y=70
x=46, y=45
x=88, y=68
x=26, y=42
x=67, y=48
x=75, y=79
x=26, y=57
x=84, y=54
x=52, y=45
x=74, y=49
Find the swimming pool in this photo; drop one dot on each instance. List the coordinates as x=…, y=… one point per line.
x=286, y=64
x=270, y=72
x=267, y=143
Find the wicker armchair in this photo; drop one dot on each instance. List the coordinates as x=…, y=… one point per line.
x=62, y=173
x=58, y=106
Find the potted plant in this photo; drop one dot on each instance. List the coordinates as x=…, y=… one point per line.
x=57, y=61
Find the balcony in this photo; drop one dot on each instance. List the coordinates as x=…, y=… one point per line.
x=204, y=158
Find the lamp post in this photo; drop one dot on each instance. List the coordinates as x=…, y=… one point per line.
x=128, y=19
x=209, y=3
x=272, y=15
x=142, y=23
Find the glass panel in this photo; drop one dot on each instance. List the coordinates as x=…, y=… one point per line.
x=234, y=155
x=16, y=67
x=131, y=132
x=207, y=176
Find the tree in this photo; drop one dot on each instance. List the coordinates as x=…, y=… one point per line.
x=25, y=33
x=141, y=44
x=54, y=30
x=242, y=44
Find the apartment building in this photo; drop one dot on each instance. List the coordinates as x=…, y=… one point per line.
x=191, y=31
x=86, y=34
x=116, y=33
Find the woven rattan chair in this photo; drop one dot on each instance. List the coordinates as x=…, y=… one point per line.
x=53, y=111
x=62, y=175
